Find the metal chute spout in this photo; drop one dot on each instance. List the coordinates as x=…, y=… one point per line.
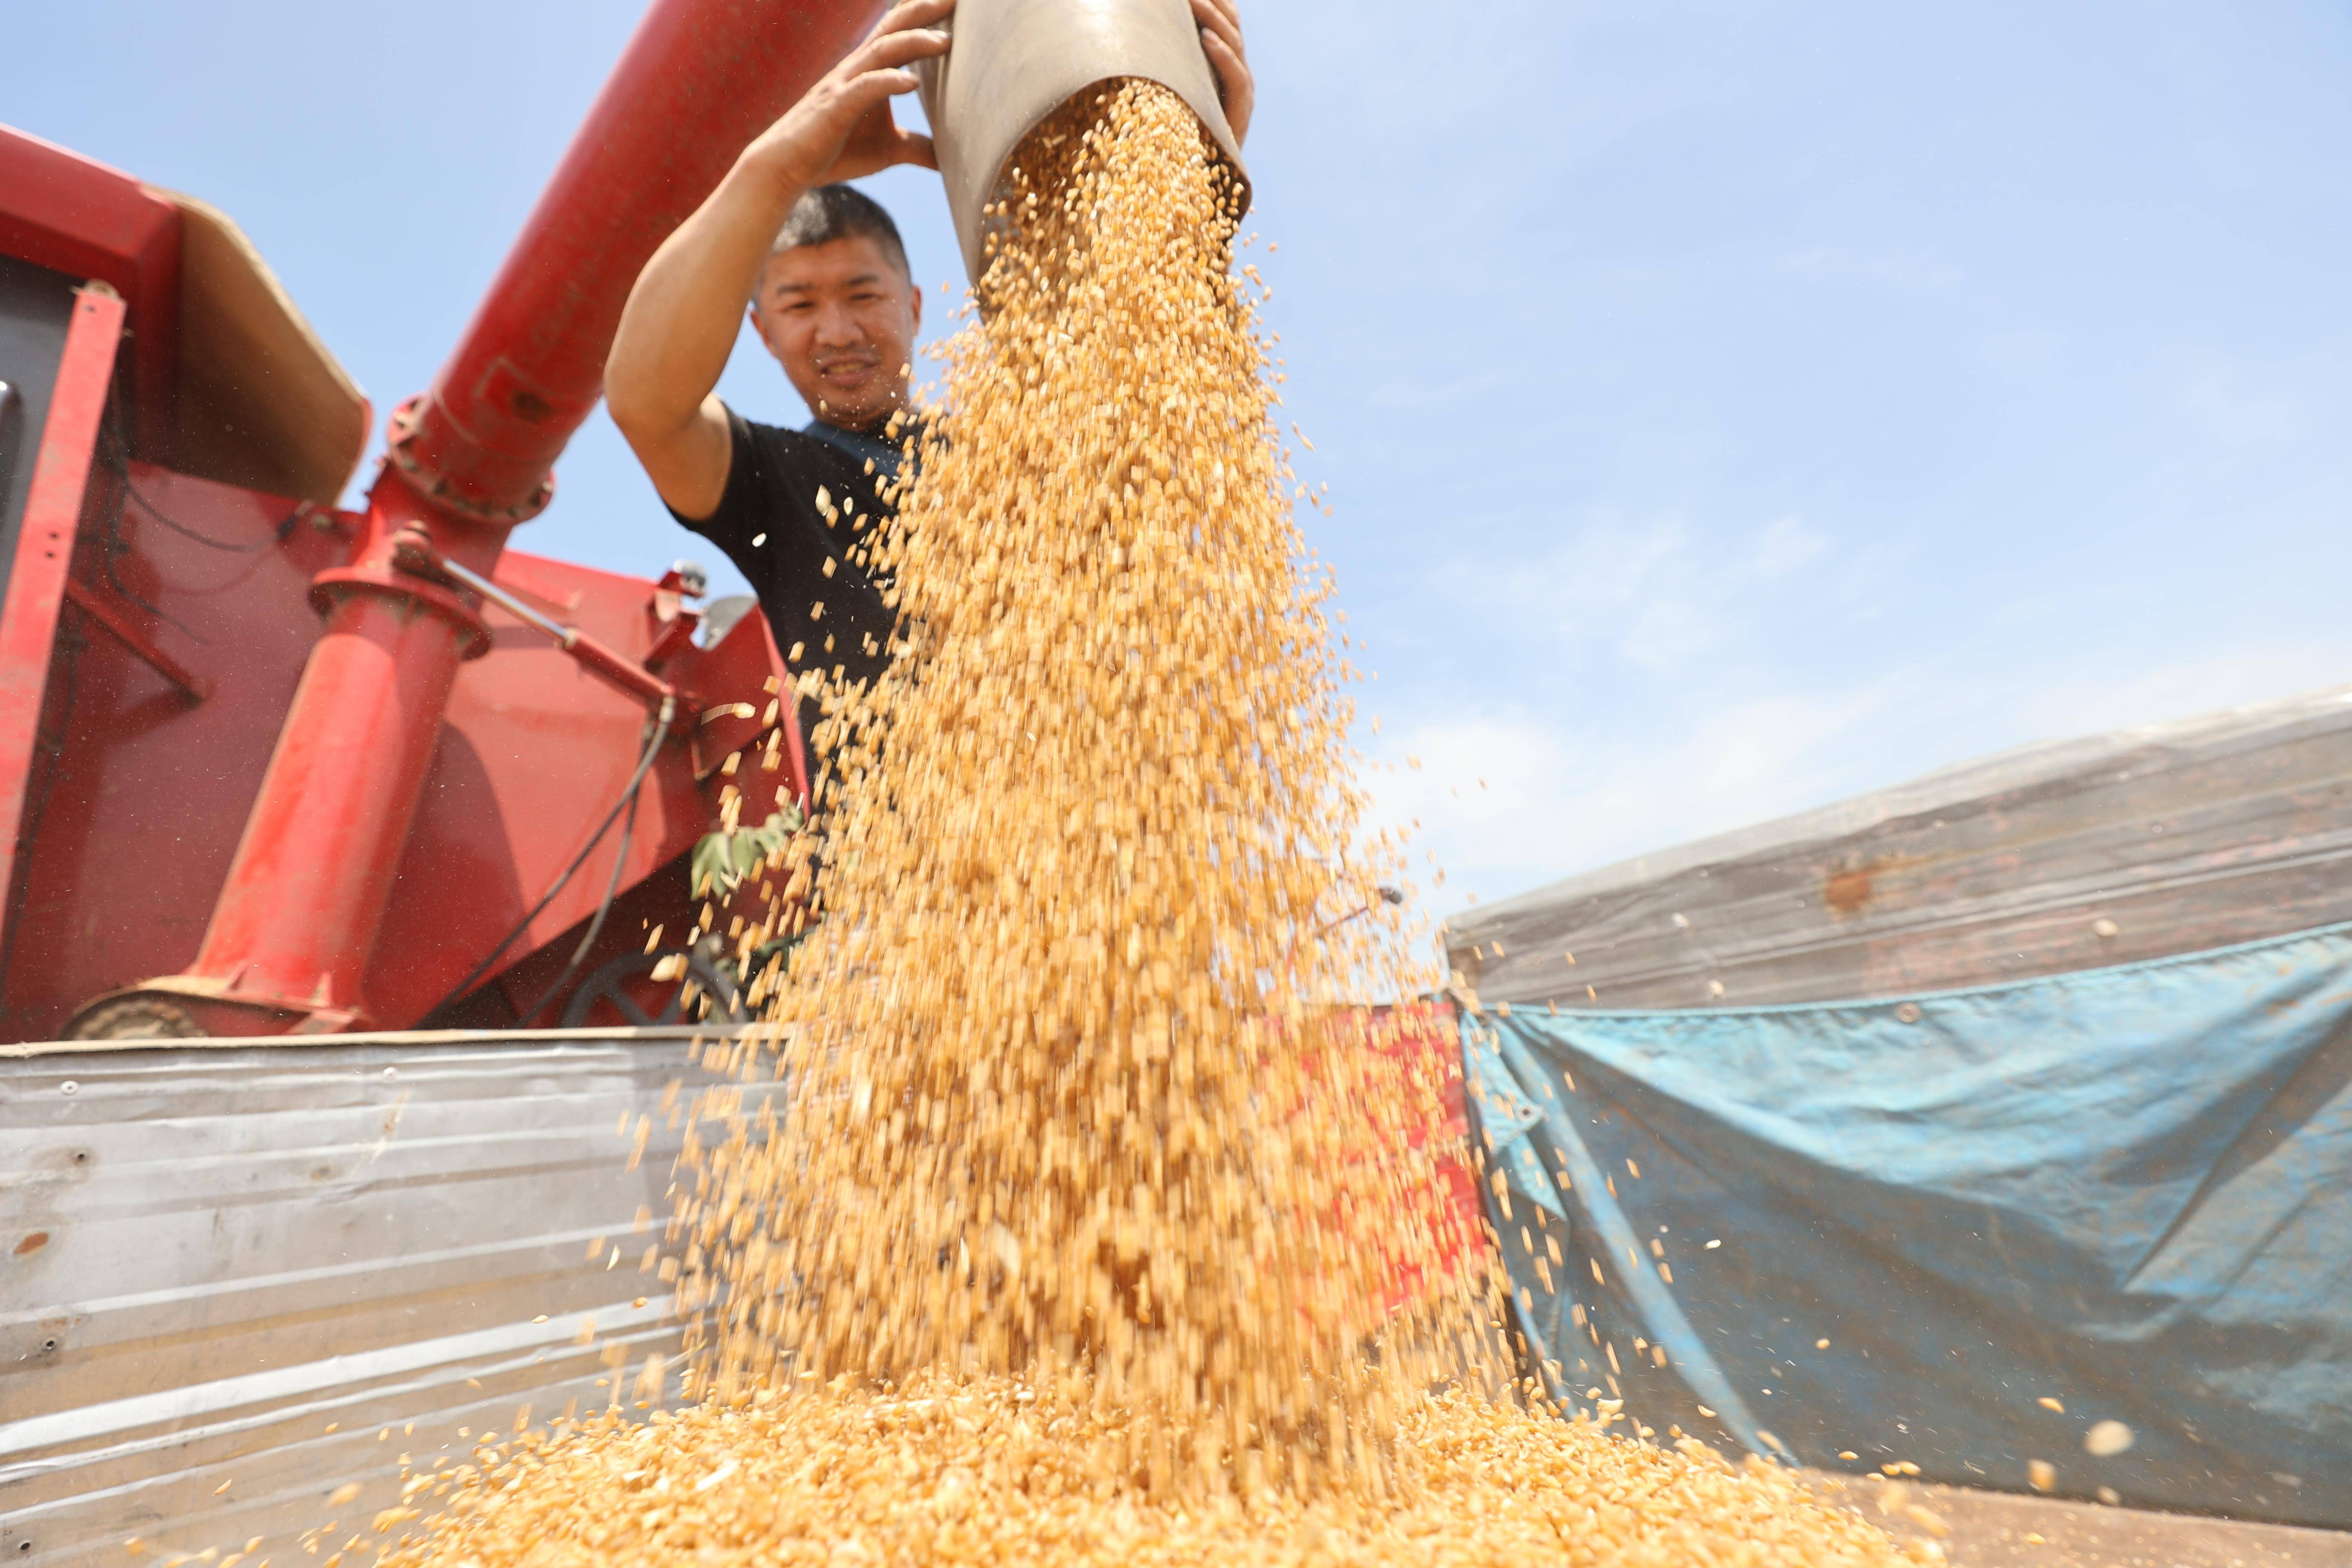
x=1012, y=63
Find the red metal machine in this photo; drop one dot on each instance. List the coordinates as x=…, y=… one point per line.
x=268, y=766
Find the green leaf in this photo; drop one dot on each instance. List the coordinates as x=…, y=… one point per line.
x=722, y=861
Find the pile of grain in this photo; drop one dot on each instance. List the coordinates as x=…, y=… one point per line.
x=991, y=1471
x=1075, y=1243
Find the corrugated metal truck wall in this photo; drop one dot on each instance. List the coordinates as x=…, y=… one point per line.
x=2141, y=844
x=230, y=1269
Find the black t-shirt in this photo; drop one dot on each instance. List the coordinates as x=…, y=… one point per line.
x=794, y=501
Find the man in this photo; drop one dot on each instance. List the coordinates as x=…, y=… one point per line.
x=825, y=276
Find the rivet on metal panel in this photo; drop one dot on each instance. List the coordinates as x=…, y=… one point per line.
x=1908, y=1013
x=69, y=1087
x=391, y=1073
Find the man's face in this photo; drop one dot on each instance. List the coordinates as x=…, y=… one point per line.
x=841, y=319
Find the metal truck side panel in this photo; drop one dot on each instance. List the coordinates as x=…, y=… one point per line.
x=2067, y=855
x=229, y=1267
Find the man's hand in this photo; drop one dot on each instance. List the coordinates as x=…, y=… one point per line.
x=842, y=128
x=1221, y=40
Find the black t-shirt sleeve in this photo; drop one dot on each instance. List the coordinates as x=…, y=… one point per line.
x=744, y=508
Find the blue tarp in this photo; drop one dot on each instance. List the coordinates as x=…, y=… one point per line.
x=2128, y=1191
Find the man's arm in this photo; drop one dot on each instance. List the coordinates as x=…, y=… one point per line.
x=683, y=316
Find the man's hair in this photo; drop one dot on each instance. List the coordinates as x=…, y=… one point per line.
x=838, y=212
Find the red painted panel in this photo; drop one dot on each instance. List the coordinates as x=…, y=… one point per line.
x=1420, y=1038
x=1457, y=1212
x=534, y=752
x=150, y=790
x=45, y=544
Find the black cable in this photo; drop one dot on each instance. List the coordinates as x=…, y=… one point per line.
x=114, y=451
x=254, y=563
x=114, y=545
x=184, y=532
x=117, y=462
x=628, y=799
x=114, y=455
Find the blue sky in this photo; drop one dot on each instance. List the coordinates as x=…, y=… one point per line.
x=1728, y=407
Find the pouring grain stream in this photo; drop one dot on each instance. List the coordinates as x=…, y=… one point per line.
x=1062, y=1097
x=1076, y=1242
